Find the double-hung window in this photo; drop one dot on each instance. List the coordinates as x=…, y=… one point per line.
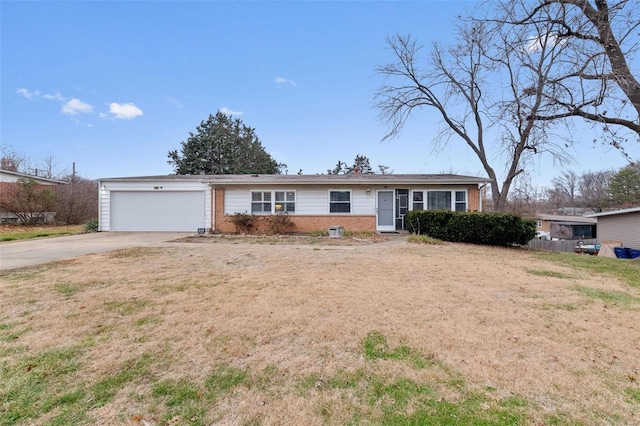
x=268, y=202
x=285, y=202
x=418, y=200
x=461, y=201
x=260, y=202
x=339, y=201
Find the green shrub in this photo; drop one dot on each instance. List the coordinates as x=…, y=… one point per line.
x=91, y=225
x=499, y=229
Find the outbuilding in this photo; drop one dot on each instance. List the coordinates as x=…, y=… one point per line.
x=619, y=225
x=356, y=202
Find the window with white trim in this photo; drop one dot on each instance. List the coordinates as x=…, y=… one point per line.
x=260, y=202
x=339, y=201
x=418, y=200
x=461, y=201
x=439, y=200
x=285, y=202
x=268, y=202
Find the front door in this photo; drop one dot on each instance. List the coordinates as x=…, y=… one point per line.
x=384, y=212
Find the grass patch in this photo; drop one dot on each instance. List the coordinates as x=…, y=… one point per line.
x=67, y=289
x=374, y=397
x=189, y=401
x=375, y=346
x=134, y=253
x=125, y=307
x=547, y=273
x=623, y=269
x=15, y=233
x=423, y=239
x=147, y=321
x=634, y=394
x=560, y=306
x=10, y=336
x=35, y=384
x=612, y=297
x=46, y=384
x=224, y=378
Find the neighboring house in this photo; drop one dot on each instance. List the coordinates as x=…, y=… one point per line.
x=357, y=202
x=10, y=179
x=560, y=227
x=619, y=225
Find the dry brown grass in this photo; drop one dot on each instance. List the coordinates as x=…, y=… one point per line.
x=290, y=314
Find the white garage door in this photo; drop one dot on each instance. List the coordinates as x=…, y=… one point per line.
x=157, y=211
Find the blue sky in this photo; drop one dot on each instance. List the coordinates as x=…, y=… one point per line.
x=113, y=86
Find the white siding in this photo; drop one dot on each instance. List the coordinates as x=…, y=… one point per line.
x=309, y=201
x=620, y=227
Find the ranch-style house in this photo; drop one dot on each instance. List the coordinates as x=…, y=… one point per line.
x=356, y=202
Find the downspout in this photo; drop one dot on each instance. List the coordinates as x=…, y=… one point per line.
x=480, y=197
x=213, y=209
x=99, y=206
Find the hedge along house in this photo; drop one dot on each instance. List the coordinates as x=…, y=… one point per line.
x=357, y=202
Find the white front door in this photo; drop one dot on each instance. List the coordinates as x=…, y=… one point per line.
x=385, y=220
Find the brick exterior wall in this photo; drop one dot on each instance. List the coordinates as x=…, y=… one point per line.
x=473, y=203
x=306, y=224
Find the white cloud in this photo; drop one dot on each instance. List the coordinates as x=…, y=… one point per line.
x=55, y=97
x=281, y=80
x=228, y=111
x=76, y=106
x=537, y=43
x=174, y=102
x=26, y=93
x=124, y=111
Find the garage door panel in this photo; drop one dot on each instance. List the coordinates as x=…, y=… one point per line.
x=173, y=211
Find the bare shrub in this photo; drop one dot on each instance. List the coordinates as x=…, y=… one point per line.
x=243, y=222
x=278, y=224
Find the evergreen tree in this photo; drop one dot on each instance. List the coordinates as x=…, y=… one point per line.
x=625, y=186
x=222, y=145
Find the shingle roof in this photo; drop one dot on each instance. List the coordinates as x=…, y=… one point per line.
x=37, y=178
x=614, y=212
x=364, y=179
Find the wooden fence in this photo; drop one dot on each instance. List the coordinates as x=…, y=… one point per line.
x=565, y=245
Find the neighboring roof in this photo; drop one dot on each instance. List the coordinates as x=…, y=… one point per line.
x=566, y=220
x=615, y=212
x=33, y=177
x=363, y=179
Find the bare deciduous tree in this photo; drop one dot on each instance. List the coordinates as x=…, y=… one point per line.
x=77, y=201
x=486, y=91
x=593, y=78
x=30, y=202
x=594, y=189
x=12, y=161
x=567, y=185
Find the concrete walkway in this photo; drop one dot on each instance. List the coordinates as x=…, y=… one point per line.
x=16, y=254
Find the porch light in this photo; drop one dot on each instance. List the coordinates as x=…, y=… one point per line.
x=368, y=191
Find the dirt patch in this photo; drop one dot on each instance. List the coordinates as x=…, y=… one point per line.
x=286, y=312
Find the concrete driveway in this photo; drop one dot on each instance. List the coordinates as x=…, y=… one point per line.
x=16, y=254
